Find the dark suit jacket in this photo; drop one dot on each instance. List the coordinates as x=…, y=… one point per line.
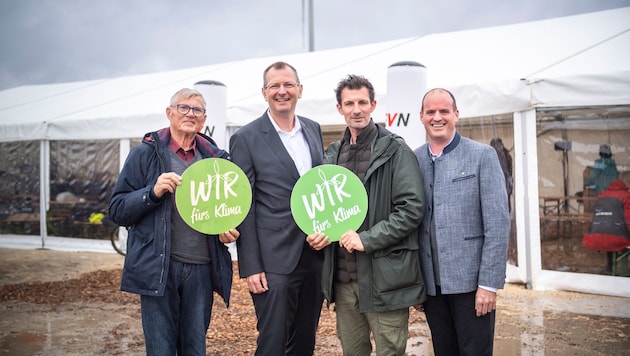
x=270, y=240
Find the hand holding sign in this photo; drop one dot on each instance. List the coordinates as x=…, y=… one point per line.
x=214, y=196
x=329, y=199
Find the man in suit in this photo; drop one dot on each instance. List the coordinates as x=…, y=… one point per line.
x=283, y=273
x=464, y=233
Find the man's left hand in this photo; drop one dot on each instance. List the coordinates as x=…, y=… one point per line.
x=351, y=242
x=229, y=236
x=485, y=301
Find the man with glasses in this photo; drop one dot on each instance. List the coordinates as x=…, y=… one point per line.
x=283, y=273
x=173, y=267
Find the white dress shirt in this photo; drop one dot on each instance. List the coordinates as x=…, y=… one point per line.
x=296, y=145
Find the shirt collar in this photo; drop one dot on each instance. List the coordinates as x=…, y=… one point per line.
x=296, y=128
x=451, y=146
x=173, y=145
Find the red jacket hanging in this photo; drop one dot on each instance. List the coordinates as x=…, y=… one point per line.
x=610, y=229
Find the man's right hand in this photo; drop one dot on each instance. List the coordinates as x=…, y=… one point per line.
x=166, y=182
x=317, y=241
x=257, y=283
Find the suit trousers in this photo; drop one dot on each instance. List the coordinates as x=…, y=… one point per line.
x=455, y=328
x=288, y=313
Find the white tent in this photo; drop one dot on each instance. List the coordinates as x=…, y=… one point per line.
x=570, y=62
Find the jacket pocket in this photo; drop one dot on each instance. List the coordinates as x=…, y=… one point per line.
x=473, y=237
x=142, y=238
x=396, y=270
x=470, y=176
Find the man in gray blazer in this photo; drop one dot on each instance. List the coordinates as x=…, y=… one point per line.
x=283, y=273
x=464, y=233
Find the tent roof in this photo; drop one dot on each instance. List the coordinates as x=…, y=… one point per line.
x=578, y=60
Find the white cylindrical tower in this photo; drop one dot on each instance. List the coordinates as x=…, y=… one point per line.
x=215, y=94
x=406, y=84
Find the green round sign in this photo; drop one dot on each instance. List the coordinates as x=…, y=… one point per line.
x=329, y=199
x=214, y=197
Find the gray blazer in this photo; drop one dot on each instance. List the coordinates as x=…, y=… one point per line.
x=270, y=240
x=466, y=197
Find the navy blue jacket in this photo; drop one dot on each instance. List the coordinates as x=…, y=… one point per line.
x=149, y=223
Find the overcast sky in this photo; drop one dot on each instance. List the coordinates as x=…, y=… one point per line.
x=51, y=41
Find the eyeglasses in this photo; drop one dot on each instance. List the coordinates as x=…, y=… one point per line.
x=184, y=109
x=277, y=86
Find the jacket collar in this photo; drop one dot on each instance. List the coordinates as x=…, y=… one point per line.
x=450, y=147
x=368, y=134
x=202, y=141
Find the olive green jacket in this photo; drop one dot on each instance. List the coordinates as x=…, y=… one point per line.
x=389, y=274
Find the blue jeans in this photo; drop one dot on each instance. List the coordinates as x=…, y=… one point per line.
x=178, y=321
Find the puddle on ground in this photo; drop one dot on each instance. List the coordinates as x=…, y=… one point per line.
x=18, y=344
x=419, y=345
x=536, y=332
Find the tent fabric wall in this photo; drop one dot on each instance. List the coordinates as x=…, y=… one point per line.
x=492, y=71
x=582, y=90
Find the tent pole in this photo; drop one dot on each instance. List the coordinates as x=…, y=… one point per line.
x=526, y=191
x=311, y=27
x=44, y=188
x=124, y=147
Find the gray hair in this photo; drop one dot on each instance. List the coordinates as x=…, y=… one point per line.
x=187, y=93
